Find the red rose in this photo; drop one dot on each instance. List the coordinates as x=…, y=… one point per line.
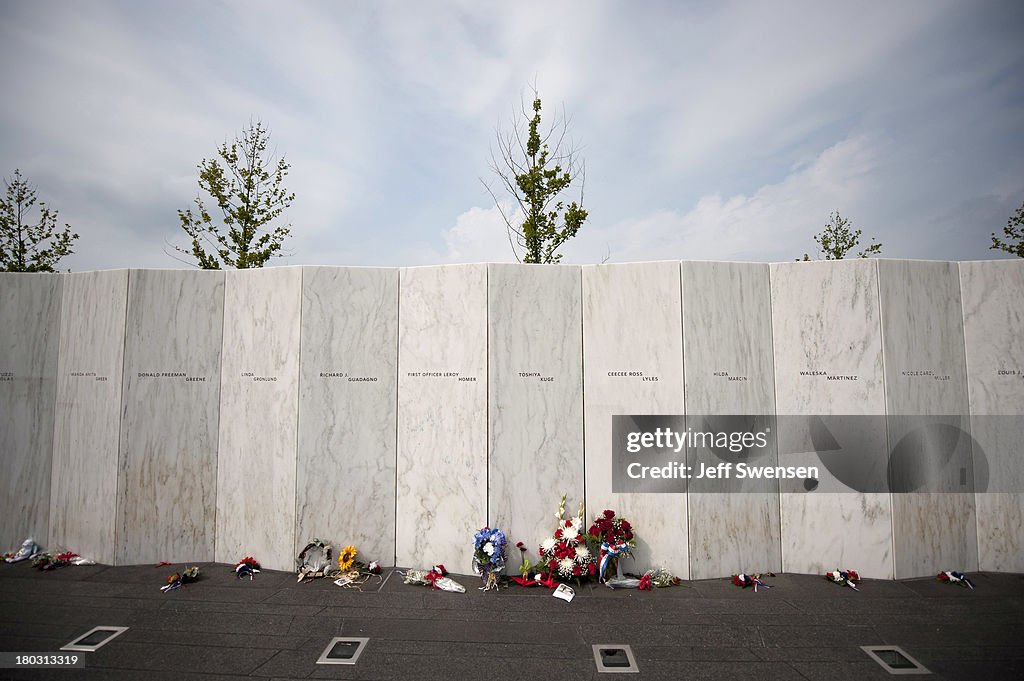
x=594, y=531
x=629, y=535
x=609, y=537
x=626, y=525
x=576, y=570
x=592, y=569
x=553, y=565
x=609, y=514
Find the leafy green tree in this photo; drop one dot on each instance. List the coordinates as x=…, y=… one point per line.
x=837, y=239
x=535, y=168
x=1014, y=231
x=24, y=246
x=248, y=187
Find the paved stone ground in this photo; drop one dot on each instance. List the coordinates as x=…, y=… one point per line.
x=272, y=628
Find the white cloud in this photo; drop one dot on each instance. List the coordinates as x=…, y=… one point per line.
x=480, y=235
x=774, y=223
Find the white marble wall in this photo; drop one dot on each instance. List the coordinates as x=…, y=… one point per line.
x=826, y=318
x=632, y=322
x=29, y=337
x=167, y=477
x=925, y=374
x=994, y=332
x=345, y=473
x=83, y=487
x=535, y=398
x=728, y=369
x=442, y=414
x=258, y=417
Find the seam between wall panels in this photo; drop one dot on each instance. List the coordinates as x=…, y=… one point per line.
x=122, y=406
x=583, y=387
x=775, y=406
x=885, y=407
x=682, y=392
x=220, y=389
x=487, y=395
x=398, y=373
x=220, y=412
x=970, y=416
x=53, y=428
x=298, y=420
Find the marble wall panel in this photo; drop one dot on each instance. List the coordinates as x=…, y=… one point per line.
x=632, y=324
x=535, y=398
x=29, y=339
x=83, y=488
x=167, y=477
x=345, y=477
x=828, y=361
x=442, y=414
x=925, y=375
x=259, y=417
x=994, y=335
x=728, y=369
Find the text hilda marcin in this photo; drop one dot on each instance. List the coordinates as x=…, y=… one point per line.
x=735, y=442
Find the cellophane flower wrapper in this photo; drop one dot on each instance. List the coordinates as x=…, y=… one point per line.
x=436, y=578
x=958, y=578
x=844, y=577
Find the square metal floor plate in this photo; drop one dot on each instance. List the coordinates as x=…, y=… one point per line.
x=895, y=660
x=343, y=650
x=614, y=658
x=94, y=639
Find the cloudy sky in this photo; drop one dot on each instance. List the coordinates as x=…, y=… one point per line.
x=710, y=130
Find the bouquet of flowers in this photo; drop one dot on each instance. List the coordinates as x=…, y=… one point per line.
x=848, y=578
x=180, y=579
x=352, y=573
x=616, y=538
x=954, y=577
x=47, y=561
x=437, y=577
x=744, y=581
x=659, y=577
x=28, y=549
x=532, y=574
x=566, y=552
x=247, y=567
x=489, y=556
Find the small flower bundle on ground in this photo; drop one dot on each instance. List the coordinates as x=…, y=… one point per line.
x=532, y=574
x=47, y=561
x=566, y=554
x=744, y=580
x=615, y=535
x=437, y=577
x=180, y=579
x=247, y=567
x=489, y=556
x=659, y=578
x=848, y=578
x=29, y=548
x=954, y=577
x=314, y=560
x=353, y=573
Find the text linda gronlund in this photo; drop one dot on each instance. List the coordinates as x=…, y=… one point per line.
x=736, y=442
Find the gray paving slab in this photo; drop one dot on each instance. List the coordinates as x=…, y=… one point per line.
x=273, y=628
